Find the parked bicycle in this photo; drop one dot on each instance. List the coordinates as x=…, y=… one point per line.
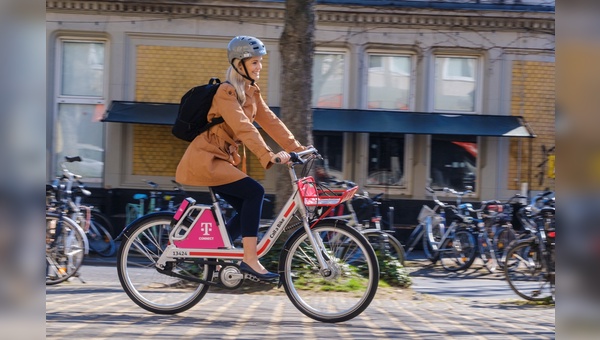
x=507, y=225
x=428, y=218
x=530, y=261
x=155, y=202
x=66, y=242
x=455, y=245
x=367, y=220
x=319, y=264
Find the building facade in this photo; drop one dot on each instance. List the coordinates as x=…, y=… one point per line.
x=405, y=93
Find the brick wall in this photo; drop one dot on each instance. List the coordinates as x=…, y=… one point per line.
x=533, y=98
x=163, y=75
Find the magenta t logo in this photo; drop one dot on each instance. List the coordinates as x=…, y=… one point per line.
x=204, y=234
x=206, y=228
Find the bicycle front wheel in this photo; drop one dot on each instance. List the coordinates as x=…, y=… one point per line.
x=155, y=291
x=431, y=239
x=64, y=251
x=526, y=274
x=100, y=240
x=458, y=252
x=339, y=292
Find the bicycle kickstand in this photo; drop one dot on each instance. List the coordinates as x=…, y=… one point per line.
x=78, y=275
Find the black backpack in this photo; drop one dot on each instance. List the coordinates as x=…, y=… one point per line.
x=193, y=111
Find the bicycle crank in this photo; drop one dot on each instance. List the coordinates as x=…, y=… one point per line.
x=231, y=277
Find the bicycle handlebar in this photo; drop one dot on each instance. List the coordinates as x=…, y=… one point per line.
x=297, y=157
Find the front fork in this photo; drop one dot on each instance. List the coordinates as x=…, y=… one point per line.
x=316, y=243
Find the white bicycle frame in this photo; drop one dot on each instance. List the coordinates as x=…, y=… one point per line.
x=203, y=239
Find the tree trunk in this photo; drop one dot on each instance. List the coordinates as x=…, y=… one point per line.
x=296, y=47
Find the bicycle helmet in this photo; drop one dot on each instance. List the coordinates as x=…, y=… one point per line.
x=244, y=46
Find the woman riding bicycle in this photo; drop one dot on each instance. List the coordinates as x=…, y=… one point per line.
x=212, y=158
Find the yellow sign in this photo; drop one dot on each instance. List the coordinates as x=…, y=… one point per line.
x=551, y=165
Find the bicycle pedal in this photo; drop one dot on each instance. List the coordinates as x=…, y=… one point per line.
x=257, y=280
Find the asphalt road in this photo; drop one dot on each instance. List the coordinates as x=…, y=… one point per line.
x=469, y=305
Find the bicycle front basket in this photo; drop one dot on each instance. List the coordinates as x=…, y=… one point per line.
x=314, y=194
x=424, y=213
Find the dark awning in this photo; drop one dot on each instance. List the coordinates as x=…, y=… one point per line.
x=141, y=113
x=420, y=123
x=351, y=120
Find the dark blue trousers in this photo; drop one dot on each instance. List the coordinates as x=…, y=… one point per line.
x=246, y=197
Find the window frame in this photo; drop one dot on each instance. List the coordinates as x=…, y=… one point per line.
x=479, y=81
x=412, y=74
x=477, y=108
x=59, y=98
x=363, y=145
x=346, y=73
x=478, y=165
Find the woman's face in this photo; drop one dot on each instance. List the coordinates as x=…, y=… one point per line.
x=253, y=65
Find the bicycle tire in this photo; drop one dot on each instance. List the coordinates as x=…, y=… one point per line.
x=100, y=240
x=104, y=221
x=459, y=251
x=156, y=292
x=64, y=255
x=354, y=268
x=501, y=241
x=430, y=252
x=487, y=253
x=395, y=251
x=525, y=273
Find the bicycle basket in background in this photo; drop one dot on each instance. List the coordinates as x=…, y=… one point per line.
x=425, y=212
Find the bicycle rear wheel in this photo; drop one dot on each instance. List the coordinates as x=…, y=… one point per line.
x=64, y=252
x=526, y=274
x=458, y=252
x=380, y=239
x=150, y=289
x=100, y=240
x=103, y=220
x=340, y=293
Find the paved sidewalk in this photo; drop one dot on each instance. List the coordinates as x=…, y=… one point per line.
x=437, y=306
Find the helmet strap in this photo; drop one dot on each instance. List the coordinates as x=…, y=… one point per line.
x=246, y=76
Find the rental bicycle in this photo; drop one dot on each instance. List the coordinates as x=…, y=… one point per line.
x=168, y=261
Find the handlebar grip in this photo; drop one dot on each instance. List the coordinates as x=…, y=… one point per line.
x=277, y=160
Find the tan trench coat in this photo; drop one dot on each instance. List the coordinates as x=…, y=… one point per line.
x=211, y=158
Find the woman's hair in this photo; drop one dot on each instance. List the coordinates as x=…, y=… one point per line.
x=238, y=82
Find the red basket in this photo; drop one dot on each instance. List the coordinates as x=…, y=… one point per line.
x=314, y=195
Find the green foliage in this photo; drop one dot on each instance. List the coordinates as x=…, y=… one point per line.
x=392, y=272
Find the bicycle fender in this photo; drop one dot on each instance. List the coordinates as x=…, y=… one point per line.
x=142, y=219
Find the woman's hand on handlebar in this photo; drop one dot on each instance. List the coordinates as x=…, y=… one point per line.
x=281, y=157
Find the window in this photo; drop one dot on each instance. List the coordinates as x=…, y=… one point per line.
x=331, y=147
x=80, y=100
x=389, y=82
x=386, y=159
x=453, y=161
x=328, y=80
x=456, y=83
